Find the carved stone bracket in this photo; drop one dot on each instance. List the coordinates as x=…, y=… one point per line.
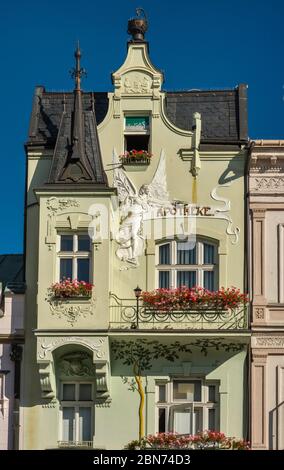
x=47, y=379
x=102, y=383
x=99, y=348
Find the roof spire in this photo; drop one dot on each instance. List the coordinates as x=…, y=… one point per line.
x=78, y=72
x=77, y=155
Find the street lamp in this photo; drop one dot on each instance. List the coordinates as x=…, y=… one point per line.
x=137, y=292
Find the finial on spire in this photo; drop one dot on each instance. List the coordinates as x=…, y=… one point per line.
x=138, y=26
x=78, y=72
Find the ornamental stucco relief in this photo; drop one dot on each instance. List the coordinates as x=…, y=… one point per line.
x=77, y=363
x=267, y=184
x=137, y=83
x=268, y=341
x=71, y=311
x=134, y=205
x=54, y=204
x=47, y=345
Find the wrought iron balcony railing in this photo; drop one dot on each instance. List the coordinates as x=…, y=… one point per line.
x=124, y=314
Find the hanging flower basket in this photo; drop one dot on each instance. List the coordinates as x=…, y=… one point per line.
x=136, y=157
x=196, y=298
x=67, y=289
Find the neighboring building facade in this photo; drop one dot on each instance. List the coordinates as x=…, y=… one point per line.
x=78, y=185
x=12, y=291
x=266, y=199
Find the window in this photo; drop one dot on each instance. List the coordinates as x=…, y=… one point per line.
x=77, y=411
x=186, y=406
x=181, y=264
x=74, y=253
x=136, y=133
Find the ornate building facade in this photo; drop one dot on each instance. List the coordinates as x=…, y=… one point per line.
x=266, y=200
x=172, y=215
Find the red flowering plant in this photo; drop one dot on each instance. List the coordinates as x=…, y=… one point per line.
x=68, y=288
x=195, y=298
x=135, y=155
x=203, y=440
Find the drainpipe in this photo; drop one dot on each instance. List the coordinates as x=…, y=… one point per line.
x=1, y=301
x=16, y=357
x=248, y=274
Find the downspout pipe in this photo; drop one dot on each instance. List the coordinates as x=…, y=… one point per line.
x=248, y=287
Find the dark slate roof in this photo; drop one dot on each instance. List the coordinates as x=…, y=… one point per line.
x=223, y=112
x=12, y=272
x=77, y=156
x=49, y=106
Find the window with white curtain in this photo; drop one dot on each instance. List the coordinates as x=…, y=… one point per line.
x=77, y=412
x=74, y=256
x=181, y=263
x=186, y=406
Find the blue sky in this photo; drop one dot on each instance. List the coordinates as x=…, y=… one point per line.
x=206, y=44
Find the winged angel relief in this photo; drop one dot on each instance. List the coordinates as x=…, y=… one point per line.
x=134, y=205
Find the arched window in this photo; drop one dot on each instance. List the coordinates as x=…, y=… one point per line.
x=183, y=263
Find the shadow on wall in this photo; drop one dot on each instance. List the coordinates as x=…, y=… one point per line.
x=275, y=424
x=234, y=170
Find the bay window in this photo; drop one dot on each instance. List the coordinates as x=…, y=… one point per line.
x=181, y=263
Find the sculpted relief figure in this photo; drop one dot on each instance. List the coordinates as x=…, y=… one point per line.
x=137, y=85
x=133, y=207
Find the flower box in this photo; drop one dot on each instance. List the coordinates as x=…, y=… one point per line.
x=193, y=299
x=203, y=440
x=67, y=289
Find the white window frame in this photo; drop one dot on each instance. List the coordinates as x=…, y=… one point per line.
x=75, y=254
x=127, y=132
x=76, y=404
x=199, y=267
x=204, y=405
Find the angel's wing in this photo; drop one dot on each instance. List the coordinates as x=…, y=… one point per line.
x=124, y=185
x=158, y=187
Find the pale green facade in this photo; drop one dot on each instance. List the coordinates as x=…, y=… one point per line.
x=89, y=326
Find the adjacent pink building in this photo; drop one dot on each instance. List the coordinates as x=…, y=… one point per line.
x=266, y=201
x=11, y=339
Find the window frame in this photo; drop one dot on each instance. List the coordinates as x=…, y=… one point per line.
x=128, y=132
x=199, y=267
x=76, y=405
x=170, y=405
x=74, y=255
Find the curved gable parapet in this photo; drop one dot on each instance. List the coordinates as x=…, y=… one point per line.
x=137, y=75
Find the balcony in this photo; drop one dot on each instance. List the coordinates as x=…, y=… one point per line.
x=125, y=315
